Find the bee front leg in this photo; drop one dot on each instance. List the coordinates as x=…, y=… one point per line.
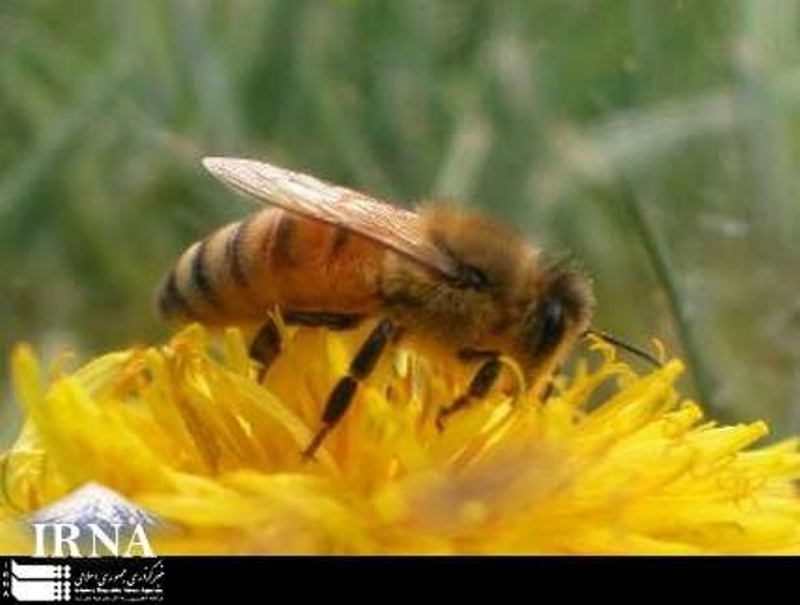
x=480, y=385
x=342, y=395
x=550, y=388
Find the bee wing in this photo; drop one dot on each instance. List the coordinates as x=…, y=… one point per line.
x=302, y=194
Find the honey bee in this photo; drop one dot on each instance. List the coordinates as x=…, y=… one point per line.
x=329, y=256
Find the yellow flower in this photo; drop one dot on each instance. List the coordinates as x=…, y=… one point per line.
x=613, y=462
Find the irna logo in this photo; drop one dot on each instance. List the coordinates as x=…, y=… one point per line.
x=92, y=521
x=90, y=540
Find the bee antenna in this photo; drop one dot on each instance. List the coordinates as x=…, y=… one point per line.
x=613, y=340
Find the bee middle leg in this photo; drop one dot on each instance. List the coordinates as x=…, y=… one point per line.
x=480, y=385
x=360, y=367
x=266, y=346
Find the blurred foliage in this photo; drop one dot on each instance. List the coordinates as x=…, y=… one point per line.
x=655, y=140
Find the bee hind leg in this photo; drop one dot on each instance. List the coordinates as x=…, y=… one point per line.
x=266, y=346
x=478, y=388
x=360, y=367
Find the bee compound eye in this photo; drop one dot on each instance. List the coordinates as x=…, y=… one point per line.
x=551, y=325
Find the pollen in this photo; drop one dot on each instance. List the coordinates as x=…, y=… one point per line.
x=615, y=461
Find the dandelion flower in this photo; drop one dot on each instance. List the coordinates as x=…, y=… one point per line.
x=614, y=462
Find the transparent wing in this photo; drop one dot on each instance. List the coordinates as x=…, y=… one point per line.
x=305, y=195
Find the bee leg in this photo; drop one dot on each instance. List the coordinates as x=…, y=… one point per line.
x=361, y=367
x=481, y=384
x=550, y=388
x=265, y=347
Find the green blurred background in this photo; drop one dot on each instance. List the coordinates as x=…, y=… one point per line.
x=655, y=140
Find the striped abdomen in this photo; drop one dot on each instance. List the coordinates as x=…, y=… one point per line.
x=242, y=271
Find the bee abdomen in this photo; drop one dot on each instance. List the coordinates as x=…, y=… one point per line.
x=220, y=279
x=273, y=258
x=198, y=287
